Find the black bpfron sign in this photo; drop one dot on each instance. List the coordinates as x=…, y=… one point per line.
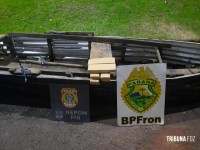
x=70, y=102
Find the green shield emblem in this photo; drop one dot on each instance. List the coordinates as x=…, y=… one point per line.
x=141, y=90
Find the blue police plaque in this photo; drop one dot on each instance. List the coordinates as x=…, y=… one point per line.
x=70, y=102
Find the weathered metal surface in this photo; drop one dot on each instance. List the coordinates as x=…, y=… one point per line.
x=92, y=39
x=125, y=50
x=181, y=52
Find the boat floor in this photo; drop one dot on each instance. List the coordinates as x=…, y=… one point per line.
x=54, y=70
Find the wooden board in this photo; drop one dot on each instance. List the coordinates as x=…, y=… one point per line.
x=32, y=71
x=102, y=68
x=100, y=50
x=94, y=76
x=182, y=71
x=109, y=60
x=105, y=77
x=94, y=82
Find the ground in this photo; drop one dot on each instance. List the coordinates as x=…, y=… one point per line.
x=31, y=129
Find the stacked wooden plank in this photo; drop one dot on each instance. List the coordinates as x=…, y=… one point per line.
x=100, y=69
x=101, y=63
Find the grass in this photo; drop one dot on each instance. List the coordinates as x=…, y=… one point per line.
x=162, y=19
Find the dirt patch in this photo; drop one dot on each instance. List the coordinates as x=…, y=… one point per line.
x=175, y=31
x=163, y=30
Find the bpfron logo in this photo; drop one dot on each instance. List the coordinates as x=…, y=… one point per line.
x=69, y=97
x=141, y=90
